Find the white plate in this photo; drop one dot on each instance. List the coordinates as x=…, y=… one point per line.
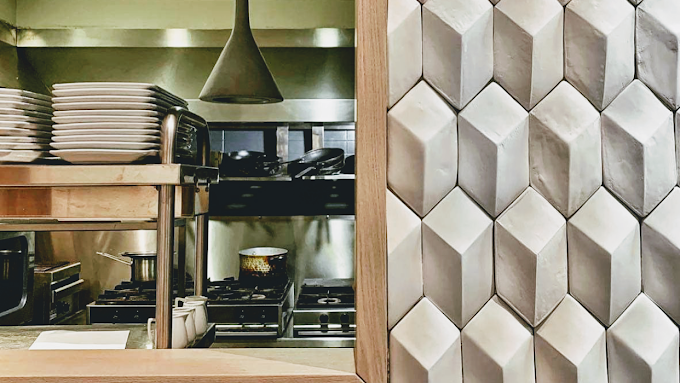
x=106, y=125
x=119, y=92
x=25, y=93
x=21, y=112
x=107, y=132
x=29, y=100
x=102, y=156
x=94, y=119
x=109, y=113
x=106, y=145
x=9, y=104
x=28, y=119
x=21, y=155
x=111, y=99
x=25, y=125
x=23, y=146
x=94, y=107
x=18, y=132
x=107, y=138
x=24, y=139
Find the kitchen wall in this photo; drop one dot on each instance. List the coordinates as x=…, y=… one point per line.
x=532, y=201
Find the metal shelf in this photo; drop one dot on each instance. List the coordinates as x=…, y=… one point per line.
x=335, y=177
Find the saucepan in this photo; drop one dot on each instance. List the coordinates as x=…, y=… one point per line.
x=142, y=265
x=263, y=264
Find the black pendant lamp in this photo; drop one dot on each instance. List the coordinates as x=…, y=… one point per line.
x=241, y=75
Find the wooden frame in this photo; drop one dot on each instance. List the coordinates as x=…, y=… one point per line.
x=282, y=366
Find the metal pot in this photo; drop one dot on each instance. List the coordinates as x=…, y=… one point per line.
x=142, y=265
x=263, y=264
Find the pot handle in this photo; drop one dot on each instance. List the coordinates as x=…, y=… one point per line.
x=115, y=258
x=150, y=333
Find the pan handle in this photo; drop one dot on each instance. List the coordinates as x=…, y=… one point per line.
x=305, y=172
x=117, y=259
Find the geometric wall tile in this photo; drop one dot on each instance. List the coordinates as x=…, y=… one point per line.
x=564, y=2
x=565, y=148
x=404, y=47
x=642, y=345
x=635, y=2
x=497, y=347
x=528, y=48
x=604, y=256
x=458, y=257
x=425, y=347
x=404, y=259
x=458, y=47
x=661, y=255
x=599, y=48
x=531, y=257
x=422, y=148
x=658, y=34
x=638, y=149
x=570, y=346
x=494, y=149
x=677, y=142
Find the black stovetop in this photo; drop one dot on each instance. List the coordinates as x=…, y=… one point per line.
x=326, y=293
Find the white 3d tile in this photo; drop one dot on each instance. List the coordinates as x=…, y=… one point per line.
x=604, y=256
x=494, y=149
x=565, y=149
x=642, y=346
x=404, y=47
x=422, y=148
x=677, y=142
x=497, y=347
x=638, y=149
x=425, y=347
x=531, y=257
x=599, y=48
x=570, y=346
x=564, y=2
x=458, y=47
x=458, y=257
x=661, y=255
x=404, y=259
x=528, y=48
x=657, y=34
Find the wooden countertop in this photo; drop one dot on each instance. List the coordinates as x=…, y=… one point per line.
x=192, y=366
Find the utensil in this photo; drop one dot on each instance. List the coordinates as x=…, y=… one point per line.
x=263, y=264
x=142, y=265
x=180, y=338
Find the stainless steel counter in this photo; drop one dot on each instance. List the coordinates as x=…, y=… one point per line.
x=22, y=337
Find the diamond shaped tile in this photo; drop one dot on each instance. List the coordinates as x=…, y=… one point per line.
x=604, y=256
x=677, y=142
x=564, y=2
x=494, y=149
x=565, y=149
x=635, y=2
x=531, y=257
x=638, y=149
x=599, y=48
x=458, y=257
x=458, y=47
x=425, y=347
x=422, y=148
x=570, y=346
x=661, y=255
x=497, y=347
x=528, y=48
x=404, y=259
x=657, y=32
x=642, y=345
x=404, y=47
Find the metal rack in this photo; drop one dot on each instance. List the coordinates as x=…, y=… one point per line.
x=121, y=197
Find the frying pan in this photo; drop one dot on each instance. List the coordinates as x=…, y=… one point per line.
x=249, y=163
x=324, y=160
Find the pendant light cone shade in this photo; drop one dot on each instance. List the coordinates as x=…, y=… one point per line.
x=241, y=75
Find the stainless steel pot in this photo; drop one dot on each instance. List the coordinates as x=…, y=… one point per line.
x=142, y=265
x=263, y=264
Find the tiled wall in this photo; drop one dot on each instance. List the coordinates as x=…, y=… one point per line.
x=533, y=209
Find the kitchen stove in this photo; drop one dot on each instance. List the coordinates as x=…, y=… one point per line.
x=325, y=308
x=235, y=308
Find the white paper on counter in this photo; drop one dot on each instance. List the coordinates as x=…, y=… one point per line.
x=81, y=340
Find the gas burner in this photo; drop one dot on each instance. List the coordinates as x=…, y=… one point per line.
x=258, y=296
x=329, y=301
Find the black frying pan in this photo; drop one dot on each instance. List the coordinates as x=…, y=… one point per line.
x=249, y=163
x=317, y=161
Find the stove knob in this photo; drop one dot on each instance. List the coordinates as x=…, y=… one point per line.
x=263, y=316
x=242, y=316
x=344, y=318
x=136, y=317
x=323, y=318
x=114, y=318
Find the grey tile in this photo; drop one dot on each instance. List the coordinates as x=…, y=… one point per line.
x=217, y=140
x=296, y=135
x=350, y=148
x=335, y=135
x=295, y=149
x=351, y=135
x=243, y=140
x=336, y=144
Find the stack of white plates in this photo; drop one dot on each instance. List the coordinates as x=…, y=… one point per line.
x=112, y=122
x=25, y=125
